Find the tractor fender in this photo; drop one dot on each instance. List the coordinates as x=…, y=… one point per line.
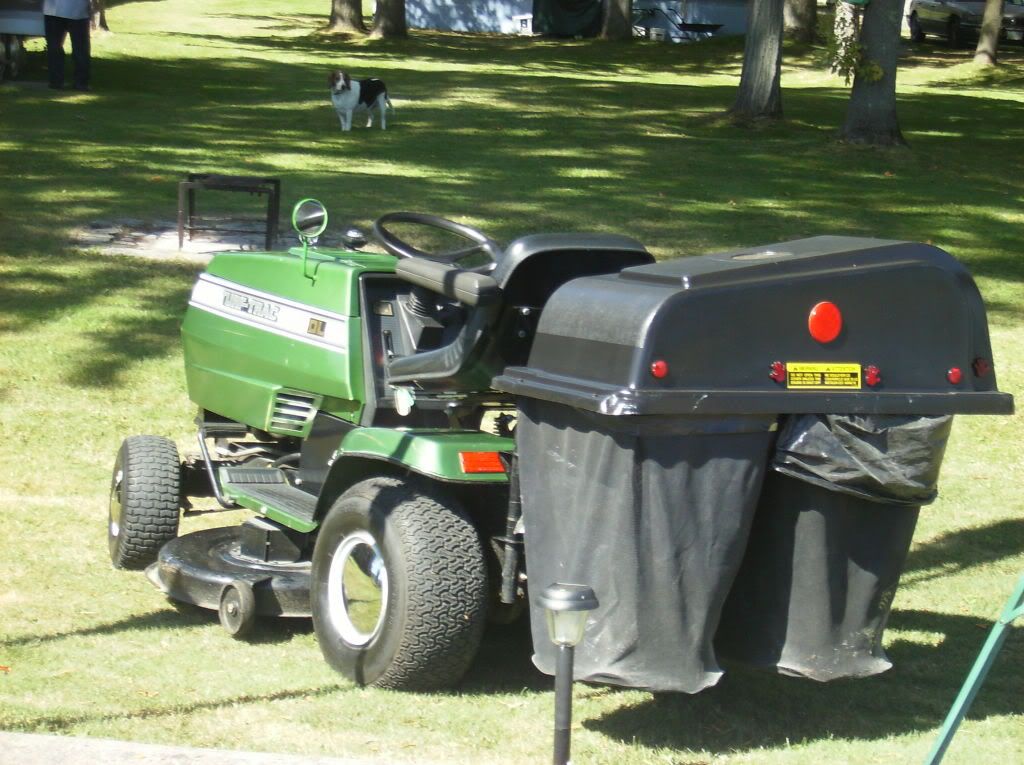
x=436, y=455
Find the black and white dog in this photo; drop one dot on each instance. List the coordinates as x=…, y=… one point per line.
x=347, y=95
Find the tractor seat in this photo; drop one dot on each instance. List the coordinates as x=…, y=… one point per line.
x=498, y=332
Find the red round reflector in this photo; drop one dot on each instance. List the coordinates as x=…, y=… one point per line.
x=659, y=369
x=825, y=322
x=954, y=375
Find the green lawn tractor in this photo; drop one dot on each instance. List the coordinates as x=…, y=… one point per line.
x=416, y=432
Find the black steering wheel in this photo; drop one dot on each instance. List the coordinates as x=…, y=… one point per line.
x=400, y=249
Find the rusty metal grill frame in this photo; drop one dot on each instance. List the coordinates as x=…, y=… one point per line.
x=257, y=185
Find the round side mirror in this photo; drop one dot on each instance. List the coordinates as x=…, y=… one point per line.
x=309, y=219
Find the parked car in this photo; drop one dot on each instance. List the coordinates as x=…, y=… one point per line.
x=959, y=21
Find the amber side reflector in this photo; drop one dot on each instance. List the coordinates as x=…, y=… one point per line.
x=481, y=462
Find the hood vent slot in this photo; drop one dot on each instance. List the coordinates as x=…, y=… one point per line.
x=294, y=412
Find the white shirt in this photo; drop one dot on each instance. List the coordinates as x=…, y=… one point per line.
x=66, y=9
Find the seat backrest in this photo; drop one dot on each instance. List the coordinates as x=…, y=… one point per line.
x=535, y=266
x=497, y=335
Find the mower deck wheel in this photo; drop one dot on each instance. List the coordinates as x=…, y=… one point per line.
x=145, y=500
x=237, y=611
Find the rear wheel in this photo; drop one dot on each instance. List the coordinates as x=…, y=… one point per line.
x=916, y=33
x=144, y=500
x=399, y=586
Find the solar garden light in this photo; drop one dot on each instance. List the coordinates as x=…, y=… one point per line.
x=567, y=607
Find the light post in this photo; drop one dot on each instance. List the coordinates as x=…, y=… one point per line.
x=567, y=607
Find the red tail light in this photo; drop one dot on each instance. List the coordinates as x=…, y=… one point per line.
x=825, y=322
x=659, y=369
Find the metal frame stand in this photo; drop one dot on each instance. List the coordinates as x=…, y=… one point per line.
x=1014, y=609
x=251, y=184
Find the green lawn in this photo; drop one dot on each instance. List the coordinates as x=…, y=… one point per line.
x=514, y=136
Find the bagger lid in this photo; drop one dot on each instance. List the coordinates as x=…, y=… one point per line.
x=827, y=325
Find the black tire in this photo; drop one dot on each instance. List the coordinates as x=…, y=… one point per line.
x=144, y=500
x=415, y=551
x=954, y=35
x=237, y=610
x=916, y=33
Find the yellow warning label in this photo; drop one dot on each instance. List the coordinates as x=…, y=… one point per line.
x=813, y=376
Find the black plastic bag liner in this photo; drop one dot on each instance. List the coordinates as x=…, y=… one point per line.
x=829, y=542
x=653, y=513
x=885, y=458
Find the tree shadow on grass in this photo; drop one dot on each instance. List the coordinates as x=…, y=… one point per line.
x=268, y=630
x=956, y=551
x=156, y=620
x=555, y=146
x=750, y=709
x=151, y=298
x=63, y=722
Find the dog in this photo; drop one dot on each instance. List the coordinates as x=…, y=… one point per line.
x=347, y=95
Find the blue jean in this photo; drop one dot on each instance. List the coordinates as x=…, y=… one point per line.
x=57, y=29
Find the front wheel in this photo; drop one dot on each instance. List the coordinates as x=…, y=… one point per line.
x=399, y=586
x=145, y=499
x=916, y=33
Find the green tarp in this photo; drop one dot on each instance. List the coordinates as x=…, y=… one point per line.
x=567, y=18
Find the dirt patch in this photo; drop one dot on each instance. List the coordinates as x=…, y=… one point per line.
x=158, y=240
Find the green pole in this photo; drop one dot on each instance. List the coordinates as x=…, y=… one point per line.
x=1013, y=610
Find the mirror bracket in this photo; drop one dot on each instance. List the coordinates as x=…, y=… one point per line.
x=309, y=219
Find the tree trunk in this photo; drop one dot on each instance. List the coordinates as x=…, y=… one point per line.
x=618, y=20
x=389, y=19
x=347, y=16
x=988, y=40
x=800, y=18
x=760, y=95
x=871, y=114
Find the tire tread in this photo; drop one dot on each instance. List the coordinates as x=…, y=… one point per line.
x=446, y=606
x=152, y=500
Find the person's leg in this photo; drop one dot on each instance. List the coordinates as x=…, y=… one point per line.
x=55, y=31
x=80, y=51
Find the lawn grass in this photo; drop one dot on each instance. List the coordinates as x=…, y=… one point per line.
x=514, y=136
